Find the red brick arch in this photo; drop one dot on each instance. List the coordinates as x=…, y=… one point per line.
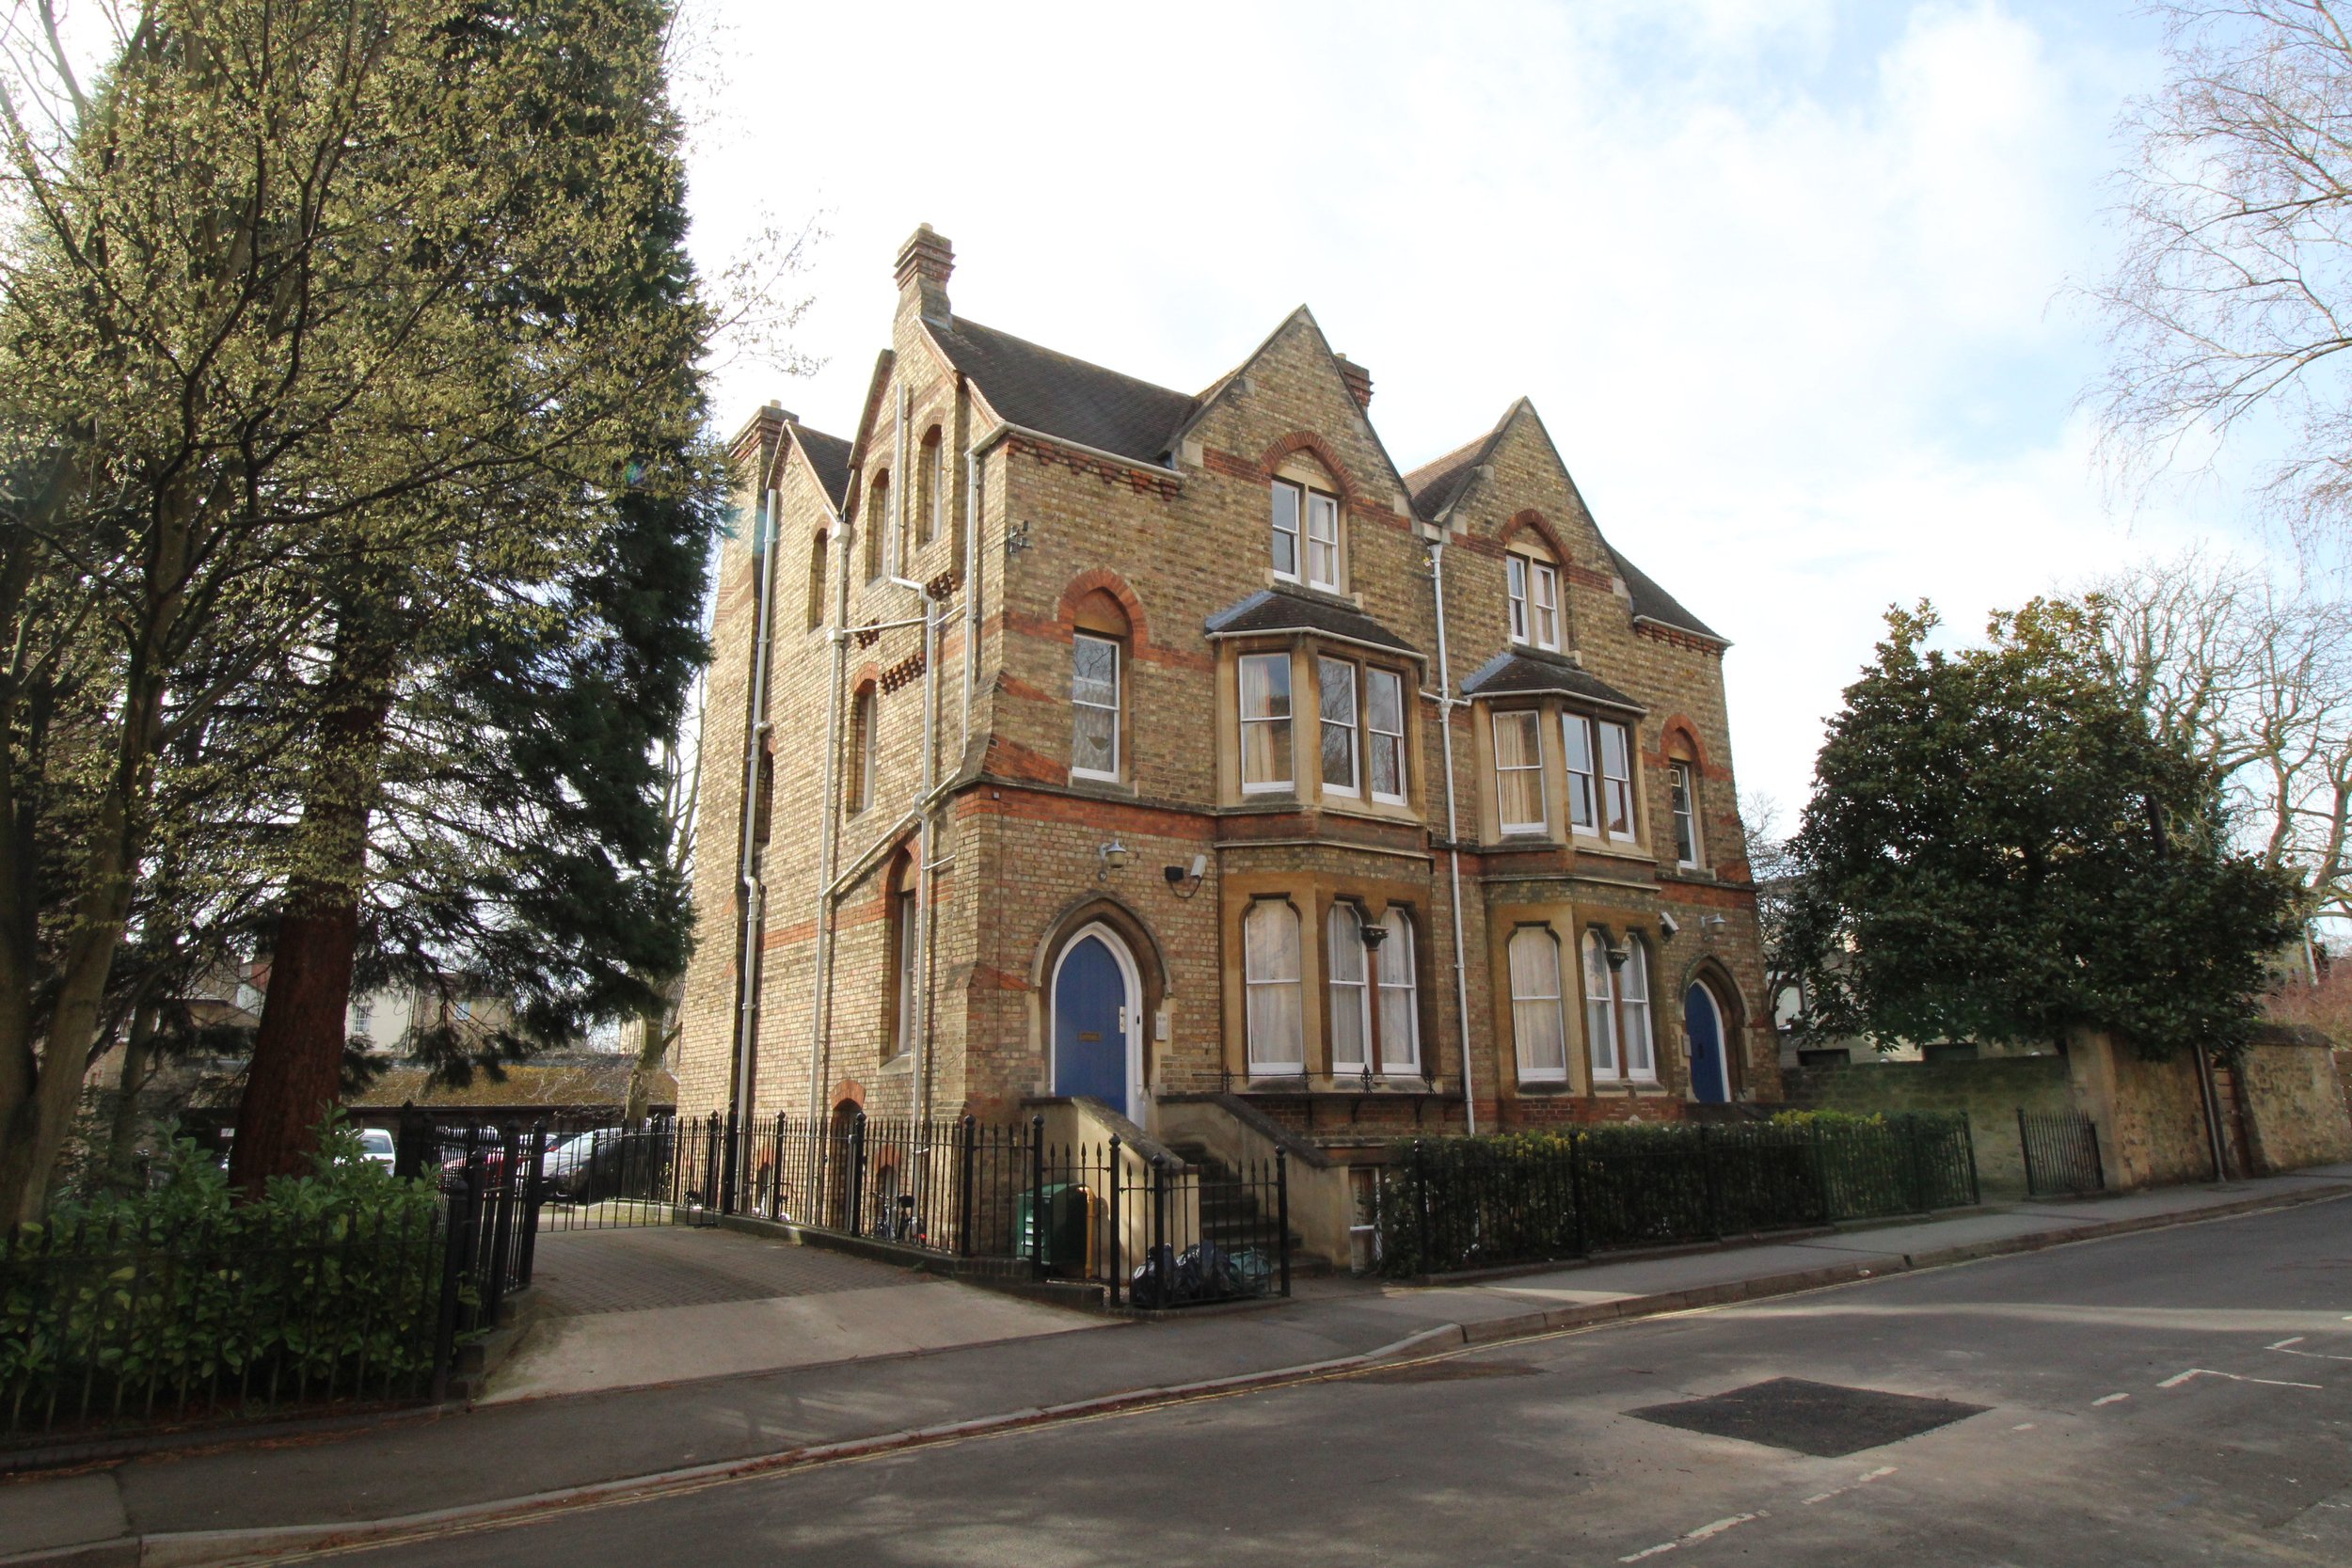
x=1535, y=522
x=1102, y=579
x=1315, y=445
x=1680, y=725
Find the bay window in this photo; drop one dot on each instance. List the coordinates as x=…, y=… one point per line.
x=1336, y=678
x=1265, y=722
x=1600, y=1007
x=1385, y=719
x=1350, y=998
x=1617, y=780
x=1538, y=1030
x=1520, y=770
x=1576, y=732
x=1270, y=977
x=1641, y=1053
x=1399, y=1011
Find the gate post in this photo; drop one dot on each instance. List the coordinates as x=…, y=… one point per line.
x=1968, y=1140
x=460, y=1208
x=2024, y=1151
x=533, y=1191
x=965, y=1132
x=503, y=1229
x=730, y=1166
x=414, y=1149
x=857, y=1174
x=1037, y=1196
x=1576, y=1190
x=1283, y=1208
x=1112, y=1173
x=1159, y=1228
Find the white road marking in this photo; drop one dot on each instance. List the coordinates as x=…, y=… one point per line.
x=2022, y=1426
x=2283, y=1348
x=2179, y=1378
x=1691, y=1537
x=1860, y=1480
x=2108, y=1399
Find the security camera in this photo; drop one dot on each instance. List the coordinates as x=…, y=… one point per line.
x=1669, y=925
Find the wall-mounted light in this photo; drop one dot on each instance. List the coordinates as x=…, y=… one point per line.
x=1113, y=856
x=1183, y=881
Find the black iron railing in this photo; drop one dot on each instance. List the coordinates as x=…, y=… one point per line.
x=1452, y=1204
x=2061, y=1152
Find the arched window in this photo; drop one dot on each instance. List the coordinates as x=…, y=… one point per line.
x=902, y=1012
x=861, y=791
x=1270, y=977
x=1600, y=1007
x=875, y=519
x=1306, y=538
x=1350, y=988
x=1641, y=1055
x=1683, y=777
x=1098, y=670
x=817, y=581
x=1400, y=1006
x=1538, y=1026
x=932, y=518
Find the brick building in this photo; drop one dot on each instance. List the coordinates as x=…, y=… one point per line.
x=1161, y=748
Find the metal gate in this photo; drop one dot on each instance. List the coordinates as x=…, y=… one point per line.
x=2061, y=1150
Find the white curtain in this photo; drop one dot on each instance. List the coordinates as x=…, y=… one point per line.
x=1350, y=1016
x=1600, y=1009
x=1265, y=719
x=1641, y=1056
x=1535, y=1020
x=1400, y=1012
x=1520, y=769
x=1270, y=972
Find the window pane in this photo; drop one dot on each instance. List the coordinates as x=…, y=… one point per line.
x=1349, y=1024
x=1520, y=770
x=1094, y=706
x=1546, y=608
x=1535, y=1021
x=1337, y=680
x=1270, y=966
x=1577, y=732
x=1385, y=705
x=1600, y=1012
x=1322, y=541
x=1265, y=728
x=1517, y=569
x=1641, y=1061
x=1686, y=817
x=1400, y=1015
x=1617, y=780
x=1094, y=672
x=1094, y=740
x=1286, y=529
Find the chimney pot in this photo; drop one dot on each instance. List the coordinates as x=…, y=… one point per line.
x=923, y=263
x=1359, y=381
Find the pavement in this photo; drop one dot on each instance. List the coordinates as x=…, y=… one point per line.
x=524, y=1455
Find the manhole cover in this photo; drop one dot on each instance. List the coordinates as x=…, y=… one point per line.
x=1810, y=1417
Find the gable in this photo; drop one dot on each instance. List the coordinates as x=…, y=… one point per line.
x=1291, y=396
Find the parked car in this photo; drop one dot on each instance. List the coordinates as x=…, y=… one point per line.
x=376, y=1144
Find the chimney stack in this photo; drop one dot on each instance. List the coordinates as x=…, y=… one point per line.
x=1359, y=381
x=924, y=263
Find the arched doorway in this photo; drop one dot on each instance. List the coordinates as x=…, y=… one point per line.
x=1097, y=1019
x=1703, y=1025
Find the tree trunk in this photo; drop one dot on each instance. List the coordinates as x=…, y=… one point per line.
x=297, y=1061
x=122, y=1138
x=653, y=1044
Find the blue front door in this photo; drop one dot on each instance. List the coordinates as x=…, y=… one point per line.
x=1090, y=1026
x=1705, y=1027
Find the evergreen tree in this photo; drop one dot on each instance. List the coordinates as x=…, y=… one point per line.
x=2000, y=849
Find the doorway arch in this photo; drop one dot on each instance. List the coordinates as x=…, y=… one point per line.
x=1095, y=1032
x=1704, y=1026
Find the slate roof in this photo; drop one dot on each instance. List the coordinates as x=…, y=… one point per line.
x=828, y=459
x=1653, y=603
x=1273, y=610
x=1434, y=485
x=1051, y=392
x=1528, y=672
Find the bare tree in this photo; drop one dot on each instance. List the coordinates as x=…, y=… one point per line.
x=2255, y=682
x=1773, y=870
x=2232, y=300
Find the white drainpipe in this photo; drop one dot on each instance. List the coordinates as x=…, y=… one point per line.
x=1446, y=704
x=755, y=894
x=829, y=831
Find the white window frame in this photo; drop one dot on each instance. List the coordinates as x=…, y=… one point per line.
x=1638, y=1031
x=1117, y=696
x=1375, y=737
x=1286, y=751
x=1515, y=582
x=1544, y=601
x=1350, y=996
x=1600, y=1009
x=1683, y=777
x=1397, y=951
x=1527, y=1000
x=1323, y=508
x=1348, y=723
x=1295, y=534
x=1535, y=728
x=1576, y=736
x=1253, y=984
x=1616, y=790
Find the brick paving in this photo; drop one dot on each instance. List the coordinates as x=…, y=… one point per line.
x=585, y=1272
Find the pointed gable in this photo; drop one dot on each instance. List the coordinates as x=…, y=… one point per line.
x=828, y=460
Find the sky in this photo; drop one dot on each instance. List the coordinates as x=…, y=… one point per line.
x=1793, y=285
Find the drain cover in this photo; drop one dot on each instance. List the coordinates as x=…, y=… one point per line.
x=1810, y=1417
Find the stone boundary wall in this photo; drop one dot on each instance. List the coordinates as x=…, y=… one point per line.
x=1990, y=1091
x=2295, y=1108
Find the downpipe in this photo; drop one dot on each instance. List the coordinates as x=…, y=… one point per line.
x=1446, y=702
x=753, y=894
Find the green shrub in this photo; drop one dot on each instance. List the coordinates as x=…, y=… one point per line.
x=325, y=1286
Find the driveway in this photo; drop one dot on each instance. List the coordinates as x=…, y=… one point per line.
x=632, y=1307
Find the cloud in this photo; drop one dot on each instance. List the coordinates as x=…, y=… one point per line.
x=1780, y=278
